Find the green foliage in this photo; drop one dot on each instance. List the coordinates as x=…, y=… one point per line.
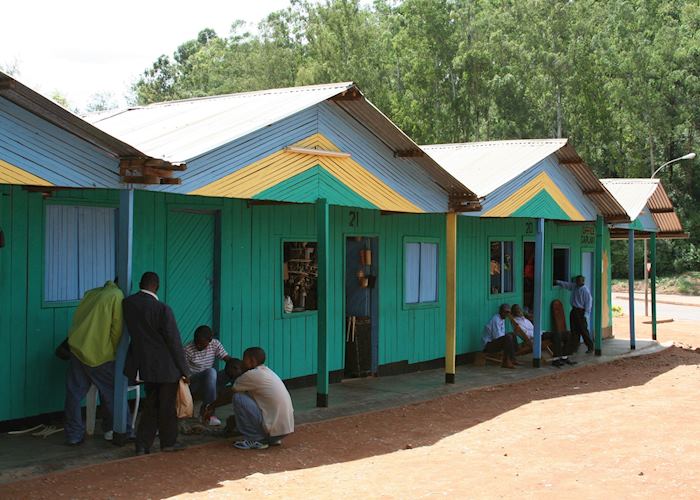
x=620, y=78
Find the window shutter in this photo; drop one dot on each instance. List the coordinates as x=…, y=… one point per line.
x=428, y=272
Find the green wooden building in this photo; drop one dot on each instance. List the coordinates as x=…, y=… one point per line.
x=292, y=219
x=544, y=217
x=301, y=220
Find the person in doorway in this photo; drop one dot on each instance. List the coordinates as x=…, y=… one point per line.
x=523, y=325
x=261, y=404
x=581, y=304
x=93, y=339
x=496, y=339
x=157, y=359
x=205, y=381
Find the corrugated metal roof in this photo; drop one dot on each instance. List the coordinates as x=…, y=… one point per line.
x=633, y=194
x=636, y=194
x=179, y=131
x=485, y=166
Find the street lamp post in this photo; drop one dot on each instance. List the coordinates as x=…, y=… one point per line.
x=688, y=156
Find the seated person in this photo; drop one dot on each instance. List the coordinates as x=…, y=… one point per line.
x=524, y=325
x=496, y=339
x=261, y=404
x=522, y=328
x=204, y=379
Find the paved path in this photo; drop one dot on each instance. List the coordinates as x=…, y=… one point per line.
x=664, y=311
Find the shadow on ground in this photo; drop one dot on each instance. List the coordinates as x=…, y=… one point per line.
x=204, y=468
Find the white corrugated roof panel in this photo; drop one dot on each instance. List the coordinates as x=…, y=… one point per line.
x=179, y=131
x=485, y=166
x=632, y=194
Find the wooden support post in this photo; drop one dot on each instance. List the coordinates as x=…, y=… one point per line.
x=539, y=288
x=324, y=310
x=598, y=286
x=653, y=285
x=124, y=260
x=630, y=263
x=451, y=319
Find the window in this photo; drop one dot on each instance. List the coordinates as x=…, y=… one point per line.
x=79, y=250
x=300, y=269
x=560, y=264
x=421, y=271
x=501, y=267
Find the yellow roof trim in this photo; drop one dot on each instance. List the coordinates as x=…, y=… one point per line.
x=282, y=165
x=529, y=191
x=9, y=174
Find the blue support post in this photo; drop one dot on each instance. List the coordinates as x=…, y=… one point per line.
x=324, y=312
x=630, y=258
x=539, y=277
x=124, y=258
x=653, y=285
x=598, y=286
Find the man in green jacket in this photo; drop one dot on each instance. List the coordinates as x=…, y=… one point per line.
x=93, y=339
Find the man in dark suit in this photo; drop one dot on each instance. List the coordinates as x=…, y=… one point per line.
x=156, y=358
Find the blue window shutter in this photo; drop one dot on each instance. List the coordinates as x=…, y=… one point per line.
x=61, y=253
x=412, y=273
x=79, y=250
x=428, y=272
x=96, y=247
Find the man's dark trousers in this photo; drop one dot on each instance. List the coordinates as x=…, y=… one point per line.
x=159, y=413
x=505, y=343
x=579, y=328
x=557, y=342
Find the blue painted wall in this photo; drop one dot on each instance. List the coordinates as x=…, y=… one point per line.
x=51, y=153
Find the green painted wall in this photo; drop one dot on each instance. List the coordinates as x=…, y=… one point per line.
x=475, y=305
x=29, y=329
x=249, y=258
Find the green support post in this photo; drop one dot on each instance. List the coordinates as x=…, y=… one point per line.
x=630, y=278
x=598, y=286
x=324, y=313
x=653, y=285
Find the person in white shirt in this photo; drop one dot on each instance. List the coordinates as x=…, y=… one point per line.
x=496, y=339
x=261, y=404
x=205, y=380
x=525, y=327
x=581, y=305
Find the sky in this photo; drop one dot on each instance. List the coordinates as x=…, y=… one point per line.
x=80, y=48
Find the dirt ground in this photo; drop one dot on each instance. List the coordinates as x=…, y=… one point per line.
x=624, y=429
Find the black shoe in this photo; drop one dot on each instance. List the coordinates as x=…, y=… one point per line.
x=558, y=363
x=74, y=443
x=173, y=447
x=589, y=350
x=567, y=361
x=142, y=451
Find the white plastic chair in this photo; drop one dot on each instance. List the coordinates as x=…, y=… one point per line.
x=91, y=407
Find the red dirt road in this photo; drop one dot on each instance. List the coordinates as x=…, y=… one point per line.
x=627, y=428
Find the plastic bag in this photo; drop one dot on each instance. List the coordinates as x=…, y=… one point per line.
x=184, y=404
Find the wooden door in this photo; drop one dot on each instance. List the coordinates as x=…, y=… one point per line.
x=191, y=283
